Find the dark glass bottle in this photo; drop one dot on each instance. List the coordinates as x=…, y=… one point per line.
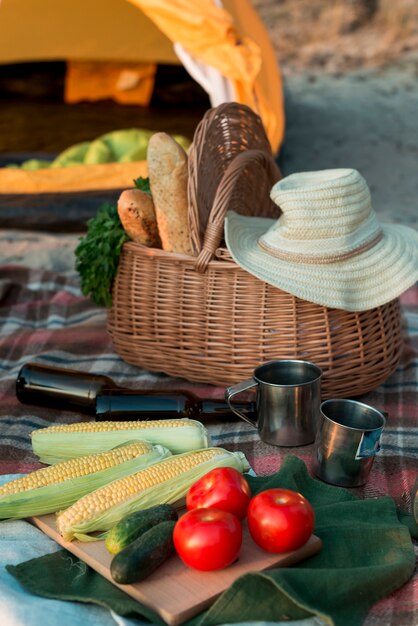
x=64, y=389
x=130, y=404
x=59, y=388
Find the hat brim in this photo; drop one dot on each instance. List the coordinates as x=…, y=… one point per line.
x=369, y=279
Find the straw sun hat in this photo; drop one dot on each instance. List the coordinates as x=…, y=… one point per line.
x=328, y=246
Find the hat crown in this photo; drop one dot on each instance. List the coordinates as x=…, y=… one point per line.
x=327, y=215
x=328, y=246
x=322, y=204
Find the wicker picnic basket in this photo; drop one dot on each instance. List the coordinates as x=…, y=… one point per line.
x=205, y=319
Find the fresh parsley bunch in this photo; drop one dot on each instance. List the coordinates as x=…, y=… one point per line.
x=97, y=254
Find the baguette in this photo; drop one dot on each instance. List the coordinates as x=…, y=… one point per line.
x=137, y=214
x=168, y=173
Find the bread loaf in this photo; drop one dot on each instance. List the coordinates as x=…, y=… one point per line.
x=137, y=214
x=167, y=171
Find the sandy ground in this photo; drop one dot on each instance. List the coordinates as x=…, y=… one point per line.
x=368, y=120
x=351, y=81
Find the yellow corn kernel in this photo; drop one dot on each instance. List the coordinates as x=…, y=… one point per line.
x=81, y=466
x=165, y=482
x=53, y=488
x=98, y=427
x=61, y=442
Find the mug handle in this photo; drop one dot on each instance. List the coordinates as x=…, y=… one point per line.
x=238, y=388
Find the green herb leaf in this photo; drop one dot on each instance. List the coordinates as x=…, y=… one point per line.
x=142, y=184
x=97, y=254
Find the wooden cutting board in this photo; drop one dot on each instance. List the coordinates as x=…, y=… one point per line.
x=175, y=592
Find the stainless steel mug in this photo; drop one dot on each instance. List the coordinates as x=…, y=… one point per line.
x=347, y=441
x=287, y=401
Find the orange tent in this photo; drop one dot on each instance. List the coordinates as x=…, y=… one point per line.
x=223, y=45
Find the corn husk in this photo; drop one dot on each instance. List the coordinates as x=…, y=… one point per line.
x=74, y=523
x=53, y=444
x=61, y=495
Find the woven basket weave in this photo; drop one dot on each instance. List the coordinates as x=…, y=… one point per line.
x=205, y=319
x=224, y=132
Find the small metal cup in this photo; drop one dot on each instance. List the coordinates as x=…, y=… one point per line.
x=287, y=401
x=347, y=441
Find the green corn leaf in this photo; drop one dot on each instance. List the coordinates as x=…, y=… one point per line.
x=170, y=491
x=56, y=446
x=52, y=498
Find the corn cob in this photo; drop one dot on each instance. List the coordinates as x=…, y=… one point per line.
x=53, y=488
x=66, y=441
x=165, y=482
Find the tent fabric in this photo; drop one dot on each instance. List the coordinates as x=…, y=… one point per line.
x=125, y=83
x=70, y=179
x=97, y=30
x=208, y=33
x=226, y=37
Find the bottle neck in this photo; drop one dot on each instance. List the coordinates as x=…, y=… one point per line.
x=220, y=409
x=133, y=404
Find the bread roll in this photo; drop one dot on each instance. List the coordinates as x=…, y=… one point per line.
x=137, y=214
x=167, y=171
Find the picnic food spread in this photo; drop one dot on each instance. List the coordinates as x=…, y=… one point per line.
x=122, y=483
x=128, y=493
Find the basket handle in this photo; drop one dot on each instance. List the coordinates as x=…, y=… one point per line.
x=215, y=225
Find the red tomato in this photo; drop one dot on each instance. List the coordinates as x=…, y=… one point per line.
x=280, y=520
x=208, y=539
x=223, y=488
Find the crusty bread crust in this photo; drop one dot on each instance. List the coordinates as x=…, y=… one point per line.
x=137, y=214
x=168, y=172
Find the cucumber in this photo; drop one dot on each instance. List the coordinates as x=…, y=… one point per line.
x=135, y=524
x=144, y=555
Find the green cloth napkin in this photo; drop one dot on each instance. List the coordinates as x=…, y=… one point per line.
x=367, y=553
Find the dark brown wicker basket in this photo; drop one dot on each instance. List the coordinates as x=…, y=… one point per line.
x=205, y=319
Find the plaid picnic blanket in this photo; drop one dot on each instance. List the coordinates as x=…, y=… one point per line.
x=44, y=318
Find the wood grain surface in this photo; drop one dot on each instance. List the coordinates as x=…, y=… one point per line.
x=174, y=591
